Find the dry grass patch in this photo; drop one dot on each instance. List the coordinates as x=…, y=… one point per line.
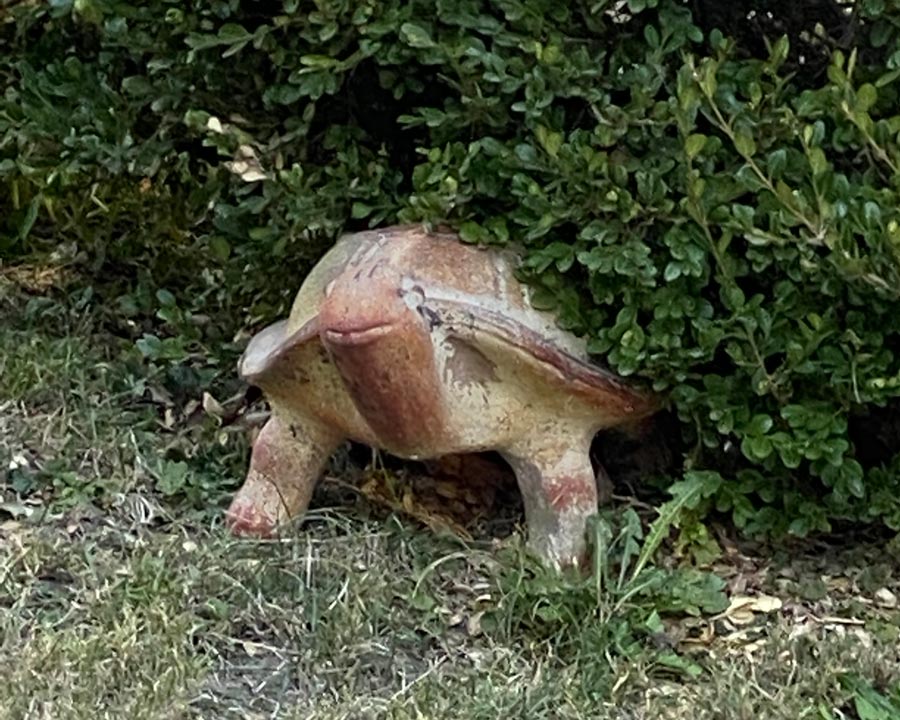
x=121, y=596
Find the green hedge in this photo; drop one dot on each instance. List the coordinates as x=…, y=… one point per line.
x=718, y=221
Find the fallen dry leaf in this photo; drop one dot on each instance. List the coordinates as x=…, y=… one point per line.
x=886, y=599
x=212, y=406
x=246, y=165
x=742, y=608
x=36, y=278
x=837, y=621
x=473, y=624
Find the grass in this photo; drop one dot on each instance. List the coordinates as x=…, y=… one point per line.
x=121, y=595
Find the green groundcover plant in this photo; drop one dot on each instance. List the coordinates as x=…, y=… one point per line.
x=718, y=215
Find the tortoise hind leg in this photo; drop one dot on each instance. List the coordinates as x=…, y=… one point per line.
x=559, y=490
x=287, y=460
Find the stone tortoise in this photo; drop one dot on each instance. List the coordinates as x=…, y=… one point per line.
x=421, y=345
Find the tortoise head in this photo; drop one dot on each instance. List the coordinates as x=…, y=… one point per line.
x=362, y=305
x=376, y=333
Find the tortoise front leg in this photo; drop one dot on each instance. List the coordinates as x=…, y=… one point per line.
x=288, y=458
x=559, y=491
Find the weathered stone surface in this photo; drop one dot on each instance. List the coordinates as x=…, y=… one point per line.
x=423, y=346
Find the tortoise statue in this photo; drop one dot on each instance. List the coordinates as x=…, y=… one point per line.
x=421, y=345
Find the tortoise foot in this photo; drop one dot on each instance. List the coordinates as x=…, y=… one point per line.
x=285, y=466
x=245, y=519
x=559, y=491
